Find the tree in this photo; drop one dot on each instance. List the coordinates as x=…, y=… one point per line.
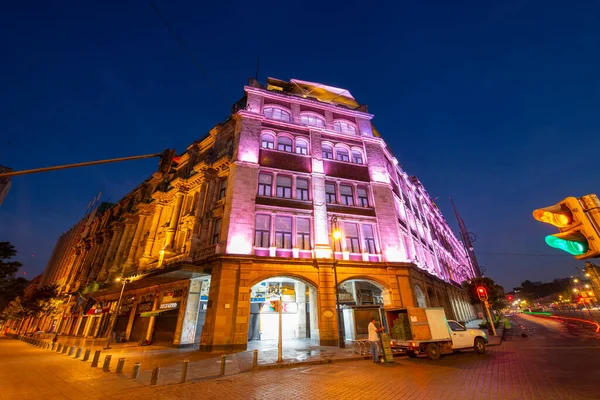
x=495, y=292
x=42, y=302
x=13, y=289
x=7, y=268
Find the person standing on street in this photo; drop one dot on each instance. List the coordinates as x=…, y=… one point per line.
x=374, y=340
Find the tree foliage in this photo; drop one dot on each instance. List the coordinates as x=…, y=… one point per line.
x=495, y=292
x=7, y=268
x=42, y=302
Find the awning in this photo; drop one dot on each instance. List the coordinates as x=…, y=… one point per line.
x=155, y=313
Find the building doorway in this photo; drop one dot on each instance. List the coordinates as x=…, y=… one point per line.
x=361, y=300
x=299, y=313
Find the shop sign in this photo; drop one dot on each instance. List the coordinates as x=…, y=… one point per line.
x=96, y=311
x=204, y=289
x=169, y=297
x=146, y=306
x=169, y=306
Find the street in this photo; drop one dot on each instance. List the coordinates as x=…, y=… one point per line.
x=550, y=363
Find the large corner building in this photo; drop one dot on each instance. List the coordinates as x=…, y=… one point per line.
x=246, y=215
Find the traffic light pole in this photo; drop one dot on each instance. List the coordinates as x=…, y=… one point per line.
x=487, y=310
x=280, y=336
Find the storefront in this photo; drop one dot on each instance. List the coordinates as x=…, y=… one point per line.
x=167, y=317
x=139, y=329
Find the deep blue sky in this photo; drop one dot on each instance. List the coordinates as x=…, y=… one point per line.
x=495, y=103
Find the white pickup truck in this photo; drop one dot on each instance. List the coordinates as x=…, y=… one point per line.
x=427, y=331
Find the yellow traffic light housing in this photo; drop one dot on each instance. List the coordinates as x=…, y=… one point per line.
x=577, y=220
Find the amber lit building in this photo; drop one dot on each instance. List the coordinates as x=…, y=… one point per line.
x=246, y=215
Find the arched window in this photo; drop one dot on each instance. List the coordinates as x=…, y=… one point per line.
x=357, y=157
x=344, y=127
x=341, y=154
x=277, y=113
x=267, y=141
x=327, y=152
x=284, y=143
x=301, y=146
x=312, y=120
x=421, y=299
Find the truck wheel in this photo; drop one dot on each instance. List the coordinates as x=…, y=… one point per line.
x=479, y=346
x=433, y=351
x=411, y=354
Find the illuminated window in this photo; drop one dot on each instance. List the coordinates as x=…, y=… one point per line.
x=284, y=186
x=357, y=157
x=216, y=231
x=330, y=193
x=352, y=240
x=346, y=195
x=302, y=189
x=344, y=127
x=341, y=154
x=277, y=113
x=283, y=232
x=303, y=233
x=284, y=143
x=363, y=198
x=261, y=231
x=312, y=120
x=223, y=188
x=369, y=237
x=265, y=185
x=267, y=142
x=301, y=147
x=327, y=152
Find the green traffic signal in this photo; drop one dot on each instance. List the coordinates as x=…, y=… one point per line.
x=574, y=247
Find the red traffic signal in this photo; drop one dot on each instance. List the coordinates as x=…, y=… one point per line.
x=510, y=298
x=166, y=160
x=482, y=293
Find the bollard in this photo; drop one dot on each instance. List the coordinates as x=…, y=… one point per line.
x=223, y=360
x=96, y=358
x=59, y=348
x=154, y=378
x=78, y=354
x=106, y=366
x=120, y=365
x=136, y=371
x=86, y=355
x=71, y=351
x=65, y=348
x=53, y=346
x=255, y=359
x=46, y=345
x=184, y=369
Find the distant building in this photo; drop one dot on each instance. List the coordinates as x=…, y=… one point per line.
x=247, y=214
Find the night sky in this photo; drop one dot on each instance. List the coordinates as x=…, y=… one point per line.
x=494, y=103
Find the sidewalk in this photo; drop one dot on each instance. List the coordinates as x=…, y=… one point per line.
x=492, y=340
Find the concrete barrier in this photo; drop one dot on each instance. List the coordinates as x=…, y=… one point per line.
x=136, y=371
x=154, y=377
x=120, y=365
x=106, y=366
x=96, y=359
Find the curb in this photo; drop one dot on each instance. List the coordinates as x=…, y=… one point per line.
x=303, y=363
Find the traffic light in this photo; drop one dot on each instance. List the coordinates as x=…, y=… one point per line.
x=576, y=219
x=482, y=293
x=509, y=298
x=166, y=160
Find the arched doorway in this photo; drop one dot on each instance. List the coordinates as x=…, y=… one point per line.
x=360, y=300
x=299, y=312
x=420, y=296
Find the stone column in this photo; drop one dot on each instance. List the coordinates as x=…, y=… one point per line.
x=328, y=325
x=147, y=256
x=150, y=330
x=301, y=301
x=117, y=267
x=131, y=317
x=188, y=323
x=112, y=248
x=170, y=235
x=136, y=240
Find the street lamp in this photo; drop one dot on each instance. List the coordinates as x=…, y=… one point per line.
x=112, y=328
x=336, y=235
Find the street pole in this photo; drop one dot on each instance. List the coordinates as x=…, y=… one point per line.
x=112, y=328
x=280, y=336
x=487, y=310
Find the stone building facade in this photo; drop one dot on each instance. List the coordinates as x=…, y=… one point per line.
x=257, y=199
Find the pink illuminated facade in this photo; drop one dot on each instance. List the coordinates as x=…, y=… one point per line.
x=257, y=199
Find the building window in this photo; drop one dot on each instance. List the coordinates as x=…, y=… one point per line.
x=267, y=142
x=283, y=232
x=312, y=120
x=301, y=147
x=265, y=185
x=352, y=240
x=330, y=193
x=216, y=231
x=369, y=239
x=261, y=231
x=344, y=127
x=327, y=152
x=277, y=113
x=363, y=198
x=284, y=143
x=302, y=189
x=222, y=189
x=346, y=195
x=284, y=186
x=303, y=233
x=357, y=157
x=341, y=154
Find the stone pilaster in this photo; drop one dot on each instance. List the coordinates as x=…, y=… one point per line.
x=328, y=331
x=173, y=222
x=124, y=245
x=147, y=256
x=136, y=241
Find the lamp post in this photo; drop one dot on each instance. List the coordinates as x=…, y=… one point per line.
x=336, y=234
x=112, y=328
x=60, y=321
